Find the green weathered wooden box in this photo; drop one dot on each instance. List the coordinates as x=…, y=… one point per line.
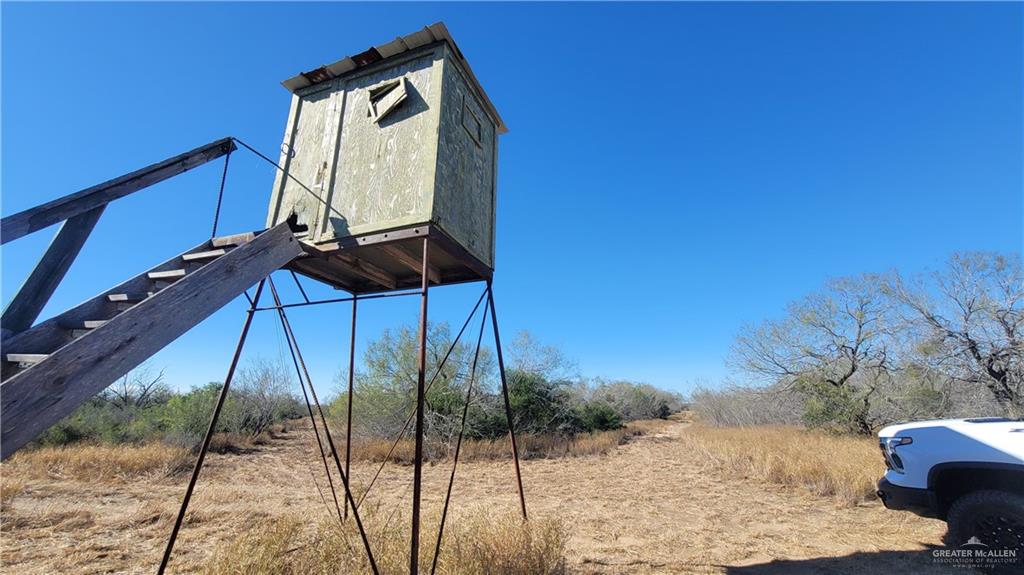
x=397, y=136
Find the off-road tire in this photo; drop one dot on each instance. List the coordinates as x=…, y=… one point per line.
x=994, y=517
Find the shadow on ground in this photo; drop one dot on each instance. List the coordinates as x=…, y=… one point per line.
x=888, y=562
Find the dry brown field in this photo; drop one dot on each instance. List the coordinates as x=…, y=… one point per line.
x=680, y=498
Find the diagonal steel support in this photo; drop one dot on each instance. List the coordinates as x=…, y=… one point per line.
x=458, y=443
x=309, y=406
x=412, y=413
x=210, y=430
x=508, y=403
x=290, y=335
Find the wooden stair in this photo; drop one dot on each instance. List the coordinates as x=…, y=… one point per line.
x=50, y=369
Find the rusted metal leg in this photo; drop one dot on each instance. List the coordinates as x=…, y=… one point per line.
x=351, y=382
x=417, y=474
x=458, y=443
x=210, y=429
x=508, y=404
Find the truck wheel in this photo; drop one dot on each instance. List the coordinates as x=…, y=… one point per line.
x=994, y=517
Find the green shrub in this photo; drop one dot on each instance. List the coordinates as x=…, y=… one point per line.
x=598, y=416
x=834, y=408
x=540, y=405
x=186, y=417
x=545, y=398
x=259, y=399
x=633, y=401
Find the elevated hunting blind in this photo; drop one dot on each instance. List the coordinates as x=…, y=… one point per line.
x=390, y=144
x=386, y=181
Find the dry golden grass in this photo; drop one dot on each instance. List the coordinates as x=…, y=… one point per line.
x=229, y=442
x=86, y=461
x=98, y=462
x=91, y=462
x=649, y=506
x=843, y=467
x=234, y=442
x=376, y=450
x=10, y=486
x=685, y=416
x=473, y=545
x=530, y=446
x=548, y=446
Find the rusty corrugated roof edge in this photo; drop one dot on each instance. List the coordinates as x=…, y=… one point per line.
x=428, y=35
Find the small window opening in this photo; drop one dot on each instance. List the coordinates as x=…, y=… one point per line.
x=386, y=98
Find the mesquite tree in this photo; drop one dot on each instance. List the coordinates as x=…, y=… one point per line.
x=835, y=347
x=969, y=318
x=139, y=388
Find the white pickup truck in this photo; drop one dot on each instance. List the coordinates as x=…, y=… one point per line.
x=969, y=472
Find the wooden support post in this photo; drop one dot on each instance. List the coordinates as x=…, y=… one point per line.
x=30, y=300
x=508, y=403
x=417, y=477
x=351, y=391
x=15, y=226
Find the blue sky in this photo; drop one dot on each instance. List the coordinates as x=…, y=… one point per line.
x=672, y=172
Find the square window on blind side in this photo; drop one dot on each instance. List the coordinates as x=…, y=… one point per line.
x=472, y=124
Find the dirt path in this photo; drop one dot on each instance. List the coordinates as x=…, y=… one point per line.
x=651, y=506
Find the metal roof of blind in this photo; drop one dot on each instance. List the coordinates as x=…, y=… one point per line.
x=428, y=35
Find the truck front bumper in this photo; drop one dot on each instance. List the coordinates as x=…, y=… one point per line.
x=919, y=501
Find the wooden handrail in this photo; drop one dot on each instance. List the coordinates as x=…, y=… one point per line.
x=33, y=219
x=79, y=212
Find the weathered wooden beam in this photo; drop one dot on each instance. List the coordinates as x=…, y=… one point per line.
x=367, y=270
x=26, y=305
x=454, y=249
x=412, y=262
x=17, y=225
x=38, y=397
x=313, y=263
x=310, y=268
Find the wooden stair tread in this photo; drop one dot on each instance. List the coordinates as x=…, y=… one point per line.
x=37, y=395
x=207, y=255
x=86, y=324
x=26, y=357
x=233, y=240
x=166, y=275
x=127, y=297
